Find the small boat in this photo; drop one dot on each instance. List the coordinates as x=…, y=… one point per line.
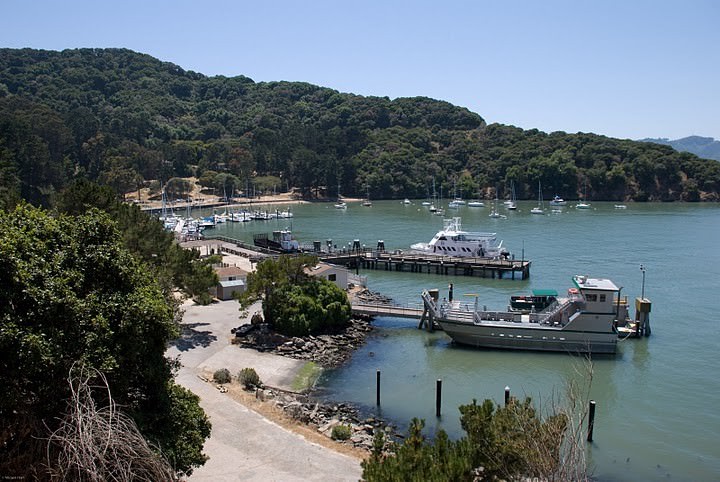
x=475, y=204
x=340, y=204
x=494, y=212
x=451, y=240
x=583, y=204
x=539, y=209
x=537, y=301
x=366, y=202
x=453, y=205
x=620, y=206
x=406, y=201
x=511, y=205
x=582, y=322
x=558, y=201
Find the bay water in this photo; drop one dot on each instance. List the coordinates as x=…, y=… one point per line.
x=658, y=399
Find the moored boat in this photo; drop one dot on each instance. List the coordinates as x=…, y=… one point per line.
x=451, y=240
x=558, y=201
x=583, y=322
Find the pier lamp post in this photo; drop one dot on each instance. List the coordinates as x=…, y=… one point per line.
x=642, y=294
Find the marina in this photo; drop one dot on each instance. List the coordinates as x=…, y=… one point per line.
x=672, y=427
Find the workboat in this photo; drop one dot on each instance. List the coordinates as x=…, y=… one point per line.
x=584, y=321
x=451, y=240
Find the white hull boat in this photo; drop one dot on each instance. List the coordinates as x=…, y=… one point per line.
x=453, y=241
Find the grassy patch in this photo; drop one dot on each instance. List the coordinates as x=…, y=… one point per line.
x=306, y=377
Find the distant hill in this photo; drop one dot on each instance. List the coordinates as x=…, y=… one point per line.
x=124, y=119
x=705, y=147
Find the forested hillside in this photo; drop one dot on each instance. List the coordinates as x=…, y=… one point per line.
x=123, y=118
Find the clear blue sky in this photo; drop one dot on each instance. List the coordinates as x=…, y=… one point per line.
x=628, y=69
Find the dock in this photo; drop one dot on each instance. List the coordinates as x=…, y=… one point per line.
x=380, y=259
x=379, y=309
x=442, y=265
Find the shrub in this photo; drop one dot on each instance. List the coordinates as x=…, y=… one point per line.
x=222, y=376
x=340, y=432
x=249, y=378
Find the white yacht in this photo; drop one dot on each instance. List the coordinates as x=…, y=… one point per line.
x=451, y=240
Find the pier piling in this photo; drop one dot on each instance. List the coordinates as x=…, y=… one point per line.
x=591, y=421
x=438, y=396
x=507, y=395
x=377, y=388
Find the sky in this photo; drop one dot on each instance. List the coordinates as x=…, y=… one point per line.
x=628, y=69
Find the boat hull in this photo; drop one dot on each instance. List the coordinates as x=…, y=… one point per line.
x=507, y=336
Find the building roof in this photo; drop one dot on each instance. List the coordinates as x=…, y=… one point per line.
x=228, y=271
x=233, y=283
x=322, y=268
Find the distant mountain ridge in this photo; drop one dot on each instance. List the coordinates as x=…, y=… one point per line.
x=705, y=147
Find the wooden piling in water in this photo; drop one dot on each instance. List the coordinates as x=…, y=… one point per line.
x=591, y=421
x=377, y=388
x=507, y=395
x=438, y=396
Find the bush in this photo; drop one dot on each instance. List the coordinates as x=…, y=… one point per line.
x=340, y=432
x=222, y=376
x=249, y=378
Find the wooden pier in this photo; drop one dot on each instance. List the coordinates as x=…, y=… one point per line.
x=405, y=262
x=443, y=265
x=380, y=309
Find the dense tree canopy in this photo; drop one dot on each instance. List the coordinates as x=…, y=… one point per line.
x=72, y=293
x=119, y=117
x=295, y=302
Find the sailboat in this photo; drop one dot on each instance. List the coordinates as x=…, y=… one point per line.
x=340, y=204
x=494, y=213
x=367, y=201
x=512, y=205
x=539, y=209
x=583, y=204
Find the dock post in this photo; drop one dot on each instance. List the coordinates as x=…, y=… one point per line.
x=438, y=396
x=507, y=395
x=591, y=421
x=377, y=388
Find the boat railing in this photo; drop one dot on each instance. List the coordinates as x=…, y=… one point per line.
x=484, y=316
x=561, y=313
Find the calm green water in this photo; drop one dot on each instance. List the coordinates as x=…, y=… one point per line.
x=657, y=399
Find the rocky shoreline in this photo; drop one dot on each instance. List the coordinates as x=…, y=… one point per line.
x=328, y=350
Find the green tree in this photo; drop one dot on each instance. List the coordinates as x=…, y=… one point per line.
x=501, y=443
x=73, y=293
x=294, y=302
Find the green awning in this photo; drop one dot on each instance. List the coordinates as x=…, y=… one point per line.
x=544, y=292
